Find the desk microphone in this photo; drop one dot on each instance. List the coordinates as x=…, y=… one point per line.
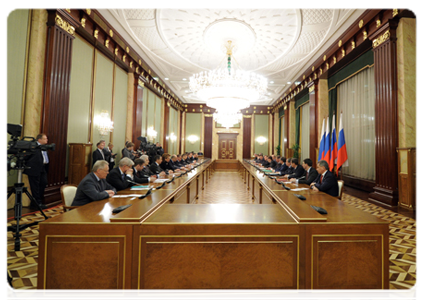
x=171, y=180
x=133, y=182
x=286, y=188
x=146, y=194
x=159, y=187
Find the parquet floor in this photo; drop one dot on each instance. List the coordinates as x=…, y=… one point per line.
x=227, y=187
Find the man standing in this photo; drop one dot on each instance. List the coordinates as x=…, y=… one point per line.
x=118, y=177
x=38, y=164
x=326, y=181
x=99, y=154
x=110, y=156
x=94, y=186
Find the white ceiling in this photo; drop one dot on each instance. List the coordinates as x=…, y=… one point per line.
x=276, y=43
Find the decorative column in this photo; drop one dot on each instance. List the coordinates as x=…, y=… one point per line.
x=134, y=113
x=386, y=112
x=60, y=35
x=208, y=135
x=313, y=125
x=165, y=120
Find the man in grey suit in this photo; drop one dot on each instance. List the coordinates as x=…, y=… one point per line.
x=94, y=186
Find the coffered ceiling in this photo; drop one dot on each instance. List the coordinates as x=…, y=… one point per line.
x=276, y=43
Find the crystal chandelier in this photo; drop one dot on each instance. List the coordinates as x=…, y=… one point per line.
x=227, y=119
x=104, y=124
x=228, y=89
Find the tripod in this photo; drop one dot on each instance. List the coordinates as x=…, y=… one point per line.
x=18, y=189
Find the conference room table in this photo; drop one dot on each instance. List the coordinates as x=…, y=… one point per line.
x=166, y=241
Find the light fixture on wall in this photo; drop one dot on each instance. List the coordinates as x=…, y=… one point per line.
x=192, y=139
x=103, y=122
x=172, y=137
x=261, y=140
x=151, y=133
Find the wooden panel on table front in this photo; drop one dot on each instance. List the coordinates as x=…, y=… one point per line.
x=107, y=252
x=219, y=263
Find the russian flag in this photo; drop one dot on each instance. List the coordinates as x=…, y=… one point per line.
x=322, y=142
x=326, y=149
x=342, y=147
x=333, y=146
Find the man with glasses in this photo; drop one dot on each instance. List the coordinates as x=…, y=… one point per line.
x=94, y=186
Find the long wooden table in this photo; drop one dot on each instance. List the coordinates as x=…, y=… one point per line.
x=164, y=242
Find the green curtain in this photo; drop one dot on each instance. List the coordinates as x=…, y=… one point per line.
x=297, y=126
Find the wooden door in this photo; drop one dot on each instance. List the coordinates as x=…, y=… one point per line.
x=227, y=147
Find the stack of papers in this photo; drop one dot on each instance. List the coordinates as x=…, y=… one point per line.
x=300, y=189
x=160, y=180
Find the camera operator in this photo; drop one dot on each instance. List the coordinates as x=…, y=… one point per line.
x=159, y=149
x=37, y=173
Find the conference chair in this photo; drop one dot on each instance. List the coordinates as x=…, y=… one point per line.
x=68, y=191
x=340, y=188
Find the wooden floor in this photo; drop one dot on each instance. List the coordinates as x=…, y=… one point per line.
x=228, y=187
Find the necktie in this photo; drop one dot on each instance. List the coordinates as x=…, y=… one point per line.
x=307, y=176
x=45, y=157
x=123, y=177
x=321, y=179
x=102, y=154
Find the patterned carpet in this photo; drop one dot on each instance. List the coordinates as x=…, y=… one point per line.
x=22, y=265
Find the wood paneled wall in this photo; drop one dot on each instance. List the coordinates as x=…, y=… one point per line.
x=55, y=113
x=246, y=149
x=384, y=47
x=208, y=135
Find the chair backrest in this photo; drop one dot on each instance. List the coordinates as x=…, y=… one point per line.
x=340, y=188
x=68, y=192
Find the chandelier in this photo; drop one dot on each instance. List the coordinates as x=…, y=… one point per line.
x=227, y=119
x=104, y=124
x=228, y=88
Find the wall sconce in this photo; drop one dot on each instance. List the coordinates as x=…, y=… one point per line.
x=103, y=122
x=261, y=140
x=192, y=139
x=151, y=133
x=172, y=137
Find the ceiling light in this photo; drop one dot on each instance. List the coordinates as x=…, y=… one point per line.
x=228, y=88
x=289, y=82
x=184, y=79
x=166, y=78
x=272, y=82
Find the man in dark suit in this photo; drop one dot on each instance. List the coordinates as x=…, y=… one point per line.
x=283, y=167
x=139, y=176
x=94, y=186
x=326, y=181
x=310, y=173
x=167, y=164
x=38, y=164
x=289, y=169
x=146, y=170
x=155, y=166
x=110, y=156
x=272, y=162
x=99, y=153
x=159, y=148
x=118, y=177
x=297, y=171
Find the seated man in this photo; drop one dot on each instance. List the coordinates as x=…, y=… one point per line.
x=94, y=186
x=118, y=177
x=297, y=171
x=139, y=176
x=255, y=157
x=326, y=181
x=272, y=162
x=128, y=151
x=171, y=162
x=155, y=166
x=289, y=168
x=184, y=160
x=166, y=164
x=267, y=160
x=146, y=170
x=282, y=167
x=99, y=153
x=310, y=173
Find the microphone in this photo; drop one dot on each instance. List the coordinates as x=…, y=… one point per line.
x=171, y=180
x=159, y=187
x=286, y=188
x=145, y=195
x=133, y=182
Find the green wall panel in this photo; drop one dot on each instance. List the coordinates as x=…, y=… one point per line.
x=158, y=118
x=261, y=128
x=103, y=93
x=17, y=31
x=120, y=111
x=192, y=127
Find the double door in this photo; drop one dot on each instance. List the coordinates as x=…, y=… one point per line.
x=227, y=146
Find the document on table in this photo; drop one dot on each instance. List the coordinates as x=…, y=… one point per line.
x=160, y=180
x=300, y=189
x=140, y=187
x=126, y=196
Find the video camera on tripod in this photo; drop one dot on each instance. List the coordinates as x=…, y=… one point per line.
x=18, y=151
x=148, y=148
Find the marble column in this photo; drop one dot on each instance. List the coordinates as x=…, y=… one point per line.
x=36, y=59
x=131, y=88
x=406, y=64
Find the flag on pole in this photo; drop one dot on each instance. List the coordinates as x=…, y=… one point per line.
x=342, y=147
x=326, y=149
x=333, y=146
x=322, y=141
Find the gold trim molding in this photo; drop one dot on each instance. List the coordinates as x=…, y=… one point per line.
x=381, y=39
x=65, y=25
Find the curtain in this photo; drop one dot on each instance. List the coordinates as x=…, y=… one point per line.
x=356, y=101
x=305, y=131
